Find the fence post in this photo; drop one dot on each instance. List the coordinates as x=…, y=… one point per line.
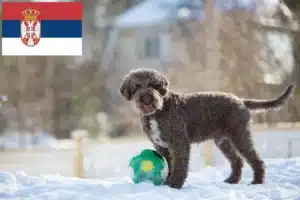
x=290, y=149
x=78, y=168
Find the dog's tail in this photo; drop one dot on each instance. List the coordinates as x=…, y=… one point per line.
x=264, y=104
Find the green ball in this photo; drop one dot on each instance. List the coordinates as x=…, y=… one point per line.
x=149, y=166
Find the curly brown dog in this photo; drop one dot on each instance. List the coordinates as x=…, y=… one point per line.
x=173, y=121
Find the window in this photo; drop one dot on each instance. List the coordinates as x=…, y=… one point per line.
x=152, y=47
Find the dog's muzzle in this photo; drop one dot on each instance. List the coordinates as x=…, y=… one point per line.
x=146, y=99
x=147, y=102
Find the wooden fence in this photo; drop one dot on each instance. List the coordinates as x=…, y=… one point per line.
x=85, y=158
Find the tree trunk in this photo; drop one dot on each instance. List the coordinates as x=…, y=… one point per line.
x=294, y=6
x=296, y=52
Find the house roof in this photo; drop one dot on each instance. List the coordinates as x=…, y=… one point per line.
x=150, y=12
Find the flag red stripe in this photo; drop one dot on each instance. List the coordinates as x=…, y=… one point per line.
x=48, y=10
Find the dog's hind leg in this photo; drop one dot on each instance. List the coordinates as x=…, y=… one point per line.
x=233, y=158
x=242, y=141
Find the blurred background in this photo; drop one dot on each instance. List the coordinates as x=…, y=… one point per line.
x=247, y=47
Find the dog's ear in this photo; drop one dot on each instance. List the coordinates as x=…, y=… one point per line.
x=125, y=89
x=164, y=83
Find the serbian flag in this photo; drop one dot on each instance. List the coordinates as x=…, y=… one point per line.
x=42, y=28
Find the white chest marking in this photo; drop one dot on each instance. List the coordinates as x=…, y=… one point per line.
x=155, y=134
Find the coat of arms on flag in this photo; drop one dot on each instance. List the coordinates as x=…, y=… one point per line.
x=42, y=28
x=30, y=27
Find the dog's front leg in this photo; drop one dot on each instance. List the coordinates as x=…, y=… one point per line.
x=180, y=155
x=166, y=154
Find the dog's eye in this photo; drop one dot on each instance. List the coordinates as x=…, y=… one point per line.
x=136, y=87
x=156, y=86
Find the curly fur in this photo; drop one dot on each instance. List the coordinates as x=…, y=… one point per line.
x=173, y=121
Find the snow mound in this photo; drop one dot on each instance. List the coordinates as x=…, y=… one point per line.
x=282, y=182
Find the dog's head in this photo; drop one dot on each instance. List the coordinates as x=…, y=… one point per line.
x=145, y=88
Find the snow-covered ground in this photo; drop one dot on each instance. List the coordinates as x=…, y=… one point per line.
x=282, y=183
x=108, y=175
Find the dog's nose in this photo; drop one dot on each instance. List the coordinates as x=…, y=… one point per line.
x=147, y=99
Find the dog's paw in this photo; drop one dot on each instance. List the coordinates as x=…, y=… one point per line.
x=232, y=180
x=255, y=182
x=174, y=183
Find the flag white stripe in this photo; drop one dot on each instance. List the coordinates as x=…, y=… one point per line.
x=46, y=47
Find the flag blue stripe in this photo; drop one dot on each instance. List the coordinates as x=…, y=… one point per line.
x=49, y=28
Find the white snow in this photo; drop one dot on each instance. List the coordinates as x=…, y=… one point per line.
x=15, y=139
x=282, y=183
